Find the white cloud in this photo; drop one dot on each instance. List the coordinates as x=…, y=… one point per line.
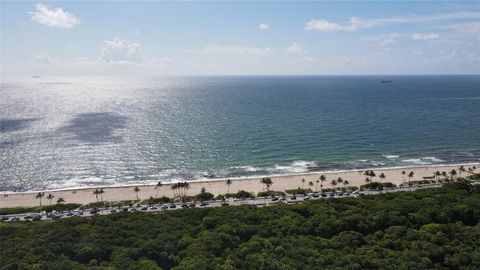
x=356, y=23
x=263, y=26
x=390, y=39
x=308, y=59
x=323, y=25
x=42, y=58
x=295, y=48
x=473, y=58
x=121, y=51
x=418, y=52
x=425, y=36
x=446, y=57
x=53, y=17
x=469, y=27
x=230, y=50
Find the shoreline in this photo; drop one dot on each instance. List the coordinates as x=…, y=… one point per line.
x=217, y=186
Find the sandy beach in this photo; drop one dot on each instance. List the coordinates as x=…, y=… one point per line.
x=219, y=186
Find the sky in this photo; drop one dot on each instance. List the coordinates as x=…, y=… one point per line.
x=239, y=38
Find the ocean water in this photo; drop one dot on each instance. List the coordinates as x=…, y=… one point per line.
x=73, y=132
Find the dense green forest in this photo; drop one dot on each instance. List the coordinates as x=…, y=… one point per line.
x=426, y=229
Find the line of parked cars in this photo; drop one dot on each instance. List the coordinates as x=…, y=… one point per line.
x=95, y=211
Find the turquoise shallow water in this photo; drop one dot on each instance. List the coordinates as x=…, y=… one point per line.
x=69, y=132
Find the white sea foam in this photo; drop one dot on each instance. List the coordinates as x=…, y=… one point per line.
x=417, y=161
x=433, y=159
x=377, y=163
x=296, y=167
x=391, y=156
x=246, y=168
x=80, y=182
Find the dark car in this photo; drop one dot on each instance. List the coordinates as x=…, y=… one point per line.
x=203, y=204
x=4, y=218
x=274, y=199
x=184, y=205
x=94, y=212
x=293, y=198
x=192, y=205
x=37, y=217
x=144, y=208
x=172, y=206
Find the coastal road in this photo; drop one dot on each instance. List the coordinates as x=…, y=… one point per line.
x=259, y=202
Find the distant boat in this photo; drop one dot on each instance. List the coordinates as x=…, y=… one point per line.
x=385, y=81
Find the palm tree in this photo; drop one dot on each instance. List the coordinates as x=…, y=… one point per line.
x=340, y=180
x=40, y=196
x=333, y=183
x=174, y=188
x=96, y=192
x=382, y=176
x=461, y=169
x=453, y=173
x=157, y=186
x=229, y=182
x=101, y=194
x=346, y=183
x=50, y=198
x=316, y=185
x=310, y=184
x=444, y=174
x=403, y=176
x=367, y=180
x=267, y=182
x=322, y=179
x=203, y=190
x=303, y=182
x=186, y=186
x=60, y=200
x=136, y=190
x=410, y=176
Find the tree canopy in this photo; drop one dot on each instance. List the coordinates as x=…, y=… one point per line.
x=426, y=229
